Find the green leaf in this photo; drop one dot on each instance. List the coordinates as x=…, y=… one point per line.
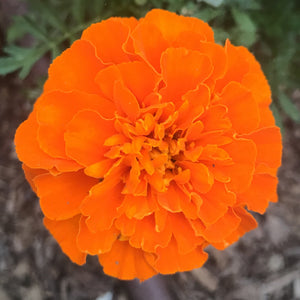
x=245, y=31
x=16, y=30
x=20, y=58
x=208, y=14
x=50, y=14
x=175, y=5
x=78, y=9
x=8, y=65
x=243, y=20
x=289, y=107
x=214, y=3
x=32, y=28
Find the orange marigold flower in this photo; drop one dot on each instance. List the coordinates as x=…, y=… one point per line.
x=148, y=144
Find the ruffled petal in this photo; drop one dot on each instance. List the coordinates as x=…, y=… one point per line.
x=147, y=238
x=216, y=119
x=113, y=33
x=95, y=243
x=126, y=262
x=101, y=206
x=237, y=66
x=85, y=135
x=126, y=101
x=179, y=72
x=61, y=195
x=218, y=231
x=137, y=207
x=170, y=199
x=56, y=109
x=184, y=234
x=137, y=76
x=125, y=225
x=263, y=189
x=100, y=168
x=65, y=233
x=247, y=223
x=149, y=44
x=239, y=100
x=201, y=178
x=243, y=153
x=103, y=201
x=171, y=24
x=68, y=73
x=269, y=146
x=30, y=153
x=216, y=53
x=212, y=209
x=195, y=103
x=170, y=261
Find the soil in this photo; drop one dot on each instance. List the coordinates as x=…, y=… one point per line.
x=264, y=264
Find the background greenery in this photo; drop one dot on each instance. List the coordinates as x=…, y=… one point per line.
x=269, y=28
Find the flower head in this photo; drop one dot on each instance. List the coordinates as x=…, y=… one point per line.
x=148, y=144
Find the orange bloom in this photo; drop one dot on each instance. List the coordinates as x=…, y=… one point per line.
x=148, y=144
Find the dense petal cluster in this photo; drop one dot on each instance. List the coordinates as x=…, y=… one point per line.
x=149, y=143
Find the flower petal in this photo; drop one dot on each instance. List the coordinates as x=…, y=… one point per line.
x=56, y=109
x=103, y=201
x=171, y=25
x=183, y=70
x=95, y=243
x=212, y=209
x=238, y=101
x=195, y=103
x=99, y=169
x=216, y=118
x=67, y=72
x=85, y=135
x=184, y=234
x=268, y=145
x=65, y=233
x=218, y=231
x=147, y=238
x=170, y=260
x=125, y=225
x=262, y=190
x=194, y=132
x=61, y=195
x=243, y=153
x=127, y=102
x=201, y=178
x=137, y=207
x=170, y=199
x=126, y=262
x=237, y=66
x=247, y=223
x=139, y=78
x=216, y=53
x=149, y=44
x=113, y=33
x=32, y=155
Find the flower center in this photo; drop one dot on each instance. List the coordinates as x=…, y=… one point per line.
x=152, y=148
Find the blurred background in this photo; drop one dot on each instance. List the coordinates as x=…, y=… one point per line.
x=264, y=264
